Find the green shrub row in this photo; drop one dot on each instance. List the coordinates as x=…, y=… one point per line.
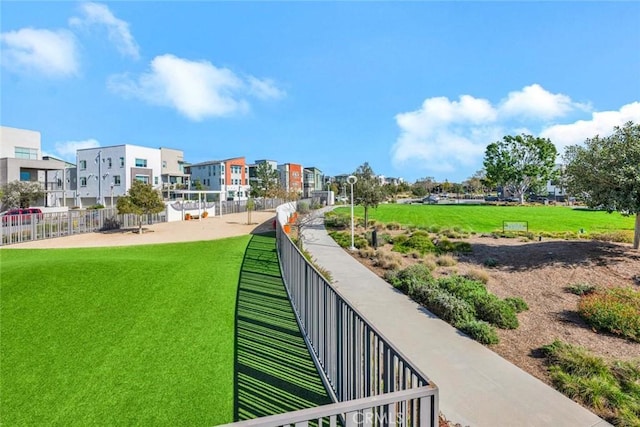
x=421, y=241
x=610, y=389
x=464, y=303
x=614, y=310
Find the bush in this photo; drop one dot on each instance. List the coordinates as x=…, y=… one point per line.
x=519, y=305
x=393, y=226
x=366, y=252
x=478, y=274
x=480, y=331
x=388, y=261
x=339, y=222
x=607, y=388
x=303, y=208
x=468, y=290
x=495, y=311
x=343, y=239
x=444, y=305
x=412, y=277
x=419, y=240
x=581, y=288
x=615, y=310
x=490, y=262
x=446, y=261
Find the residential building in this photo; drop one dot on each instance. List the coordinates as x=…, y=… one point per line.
x=291, y=177
x=21, y=160
x=106, y=173
x=173, y=176
x=253, y=178
x=313, y=180
x=230, y=177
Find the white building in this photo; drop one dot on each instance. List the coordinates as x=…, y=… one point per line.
x=106, y=173
x=21, y=160
x=230, y=177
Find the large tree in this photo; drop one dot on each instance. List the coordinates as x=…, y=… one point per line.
x=519, y=163
x=266, y=182
x=367, y=191
x=141, y=199
x=605, y=172
x=20, y=194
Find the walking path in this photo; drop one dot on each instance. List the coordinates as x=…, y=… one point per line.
x=477, y=387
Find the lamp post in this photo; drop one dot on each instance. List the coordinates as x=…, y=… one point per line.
x=352, y=180
x=328, y=191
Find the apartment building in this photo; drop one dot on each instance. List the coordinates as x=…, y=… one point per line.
x=313, y=180
x=106, y=173
x=21, y=160
x=174, y=175
x=230, y=177
x=291, y=177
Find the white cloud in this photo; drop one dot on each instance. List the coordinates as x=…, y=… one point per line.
x=96, y=14
x=52, y=53
x=535, y=103
x=601, y=123
x=67, y=150
x=197, y=89
x=450, y=137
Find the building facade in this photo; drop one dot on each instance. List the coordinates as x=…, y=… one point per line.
x=291, y=177
x=230, y=177
x=106, y=173
x=21, y=160
x=174, y=175
x=313, y=180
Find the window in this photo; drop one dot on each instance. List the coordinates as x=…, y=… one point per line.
x=116, y=179
x=221, y=181
x=121, y=162
x=26, y=153
x=25, y=176
x=164, y=164
x=141, y=163
x=109, y=163
x=83, y=165
x=142, y=178
x=155, y=180
x=83, y=181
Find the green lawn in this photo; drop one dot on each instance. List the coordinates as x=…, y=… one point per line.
x=121, y=336
x=485, y=219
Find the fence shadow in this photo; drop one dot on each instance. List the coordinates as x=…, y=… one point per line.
x=273, y=370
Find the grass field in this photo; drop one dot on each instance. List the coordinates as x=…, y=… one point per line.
x=120, y=336
x=182, y=334
x=489, y=218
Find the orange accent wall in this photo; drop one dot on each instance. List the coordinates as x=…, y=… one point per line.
x=237, y=161
x=295, y=182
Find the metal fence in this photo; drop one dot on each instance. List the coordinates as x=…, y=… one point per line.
x=373, y=383
x=25, y=228
x=18, y=229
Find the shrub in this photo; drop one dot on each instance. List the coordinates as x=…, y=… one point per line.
x=444, y=305
x=478, y=274
x=602, y=386
x=490, y=262
x=393, y=226
x=616, y=310
x=480, y=331
x=495, y=311
x=412, y=277
x=366, y=252
x=519, y=305
x=613, y=236
x=388, y=261
x=581, y=288
x=419, y=240
x=468, y=290
x=446, y=261
x=339, y=222
x=303, y=208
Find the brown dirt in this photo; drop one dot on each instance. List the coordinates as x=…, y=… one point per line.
x=539, y=272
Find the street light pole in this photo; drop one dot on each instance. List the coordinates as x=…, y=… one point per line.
x=352, y=180
x=328, y=191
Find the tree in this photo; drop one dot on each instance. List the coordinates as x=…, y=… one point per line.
x=141, y=199
x=367, y=191
x=521, y=162
x=266, y=182
x=605, y=172
x=20, y=194
x=423, y=186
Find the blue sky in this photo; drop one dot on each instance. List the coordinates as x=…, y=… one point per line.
x=415, y=88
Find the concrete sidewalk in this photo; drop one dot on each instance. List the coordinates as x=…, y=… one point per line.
x=477, y=387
